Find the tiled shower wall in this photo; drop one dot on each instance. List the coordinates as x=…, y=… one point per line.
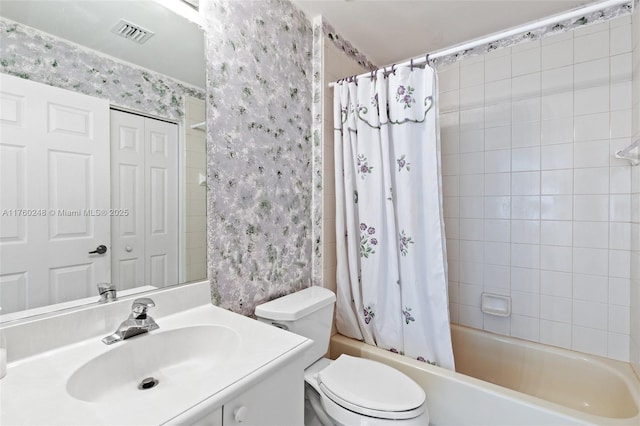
x=536, y=207
x=635, y=202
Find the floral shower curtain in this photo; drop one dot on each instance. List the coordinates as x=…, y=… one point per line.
x=391, y=272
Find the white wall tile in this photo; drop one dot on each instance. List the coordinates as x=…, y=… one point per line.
x=619, y=291
x=557, y=105
x=525, y=255
x=498, y=230
x=555, y=333
x=498, y=161
x=618, y=346
x=525, y=159
x=620, y=40
x=497, y=276
x=591, y=127
x=497, y=92
x=590, y=207
x=525, y=207
x=556, y=156
x=497, y=137
x=499, y=325
x=497, y=184
x=525, y=231
x=471, y=74
x=591, y=100
x=557, y=309
x=619, y=319
x=470, y=316
x=526, y=61
x=556, y=283
x=525, y=110
x=471, y=97
x=497, y=115
x=592, y=288
x=590, y=261
x=591, y=234
x=525, y=183
x=525, y=280
x=556, y=258
x=525, y=134
x=591, y=73
x=527, y=304
x=557, y=55
x=556, y=207
x=619, y=236
x=524, y=327
x=497, y=207
x=525, y=86
x=497, y=253
x=471, y=207
x=557, y=131
x=593, y=180
x=556, y=233
x=589, y=340
x=498, y=68
x=592, y=46
x=590, y=314
x=557, y=182
x=537, y=207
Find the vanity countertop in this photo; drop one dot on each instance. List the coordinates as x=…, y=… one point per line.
x=38, y=390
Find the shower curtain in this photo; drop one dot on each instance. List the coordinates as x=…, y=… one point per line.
x=391, y=270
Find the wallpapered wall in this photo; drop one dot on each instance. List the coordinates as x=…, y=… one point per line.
x=259, y=150
x=38, y=56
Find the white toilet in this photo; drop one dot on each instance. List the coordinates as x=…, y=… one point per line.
x=349, y=391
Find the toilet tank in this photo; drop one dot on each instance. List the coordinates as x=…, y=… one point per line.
x=307, y=312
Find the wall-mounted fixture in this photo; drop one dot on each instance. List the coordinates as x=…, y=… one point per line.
x=627, y=155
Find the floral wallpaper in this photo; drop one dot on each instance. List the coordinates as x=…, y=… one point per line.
x=259, y=78
x=317, y=122
x=347, y=47
x=38, y=56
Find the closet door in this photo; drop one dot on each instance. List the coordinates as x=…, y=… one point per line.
x=54, y=194
x=145, y=184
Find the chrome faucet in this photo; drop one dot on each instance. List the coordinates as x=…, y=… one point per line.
x=137, y=323
x=107, y=292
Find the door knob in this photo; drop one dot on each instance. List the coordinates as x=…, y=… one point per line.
x=101, y=249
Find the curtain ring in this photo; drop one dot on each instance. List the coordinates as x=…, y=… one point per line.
x=426, y=58
x=411, y=66
x=393, y=69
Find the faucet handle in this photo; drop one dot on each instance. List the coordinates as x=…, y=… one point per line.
x=107, y=292
x=140, y=306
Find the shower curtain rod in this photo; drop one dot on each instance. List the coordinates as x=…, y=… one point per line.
x=421, y=60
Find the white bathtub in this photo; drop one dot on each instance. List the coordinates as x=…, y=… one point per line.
x=507, y=381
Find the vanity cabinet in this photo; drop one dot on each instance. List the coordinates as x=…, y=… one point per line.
x=277, y=400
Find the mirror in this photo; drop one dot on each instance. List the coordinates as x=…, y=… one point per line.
x=132, y=210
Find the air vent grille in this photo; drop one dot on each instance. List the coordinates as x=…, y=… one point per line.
x=132, y=32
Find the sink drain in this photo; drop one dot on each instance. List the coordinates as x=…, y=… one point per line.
x=148, y=383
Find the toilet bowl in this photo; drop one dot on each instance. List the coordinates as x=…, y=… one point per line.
x=349, y=391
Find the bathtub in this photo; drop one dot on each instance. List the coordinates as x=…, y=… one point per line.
x=507, y=381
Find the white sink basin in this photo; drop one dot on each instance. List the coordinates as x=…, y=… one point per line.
x=174, y=358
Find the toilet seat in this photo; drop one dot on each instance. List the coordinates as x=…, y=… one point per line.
x=371, y=389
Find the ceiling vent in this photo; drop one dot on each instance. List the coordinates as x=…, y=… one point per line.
x=132, y=32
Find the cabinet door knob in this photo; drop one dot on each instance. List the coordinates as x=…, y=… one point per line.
x=240, y=414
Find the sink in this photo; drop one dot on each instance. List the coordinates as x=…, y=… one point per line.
x=171, y=358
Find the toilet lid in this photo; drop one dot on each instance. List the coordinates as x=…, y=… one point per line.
x=371, y=388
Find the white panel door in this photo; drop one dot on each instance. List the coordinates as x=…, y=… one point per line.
x=145, y=182
x=161, y=191
x=127, y=186
x=54, y=194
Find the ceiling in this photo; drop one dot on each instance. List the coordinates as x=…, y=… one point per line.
x=176, y=49
x=390, y=31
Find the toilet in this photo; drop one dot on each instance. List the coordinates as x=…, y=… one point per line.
x=349, y=391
